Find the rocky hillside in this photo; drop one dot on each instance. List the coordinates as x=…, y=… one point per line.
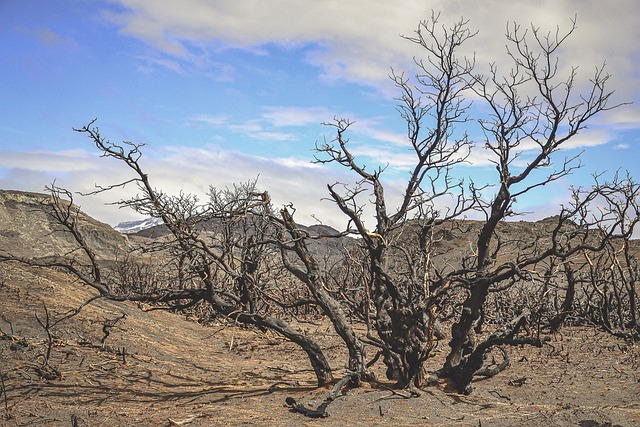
x=28, y=230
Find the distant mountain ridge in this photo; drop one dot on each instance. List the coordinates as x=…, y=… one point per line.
x=27, y=229
x=135, y=226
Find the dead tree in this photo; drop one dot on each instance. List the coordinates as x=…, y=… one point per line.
x=229, y=251
x=46, y=370
x=606, y=294
x=531, y=106
x=406, y=299
x=532, y=114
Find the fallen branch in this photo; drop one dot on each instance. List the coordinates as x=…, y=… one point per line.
x=185, y=421
x=274, y=387
x=321, y=411
x=6, y=399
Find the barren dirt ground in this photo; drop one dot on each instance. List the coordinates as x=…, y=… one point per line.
x=176, y=372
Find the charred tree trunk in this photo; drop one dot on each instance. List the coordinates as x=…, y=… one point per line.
x=403, y=323
x=316, y=356
x=567, y=304
x=632, y=268
x=461, y=342
x=330, y=306
x=462, y=373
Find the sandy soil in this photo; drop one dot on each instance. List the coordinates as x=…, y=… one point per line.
x=176, y=372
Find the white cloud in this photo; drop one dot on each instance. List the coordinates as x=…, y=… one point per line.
x=42, y=161
x=623, y=118
x=266, y=126
x=175, y=169
x=481, y=156
x=359, y=40
x=254, y=129
x=248, y=127
x=296, y=163
x=169, y=64
x=178, y=169
x=373, y=128
x=273, y=136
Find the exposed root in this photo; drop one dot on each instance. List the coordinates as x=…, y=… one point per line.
x=408, y=394
x=494, y=368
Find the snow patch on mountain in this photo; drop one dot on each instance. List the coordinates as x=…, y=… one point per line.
x=130, y=227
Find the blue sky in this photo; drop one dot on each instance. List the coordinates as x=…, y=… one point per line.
x=224, y=91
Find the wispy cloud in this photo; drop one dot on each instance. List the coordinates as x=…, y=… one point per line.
x=283, y=116
x=248, y=127
x=49, y=38
x=273, y=136
x=378, y=156
x=186, y=66
x=256, y=130
x=150, y=64
x=589, y=138
x=212, y=120
x=270, y=125
x=193, y=31
x=623, y=118
x=377, y=129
